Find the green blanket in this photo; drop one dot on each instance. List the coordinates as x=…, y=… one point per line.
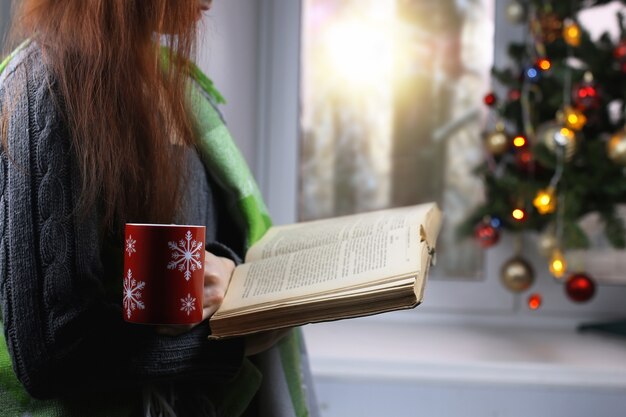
x=224, y=161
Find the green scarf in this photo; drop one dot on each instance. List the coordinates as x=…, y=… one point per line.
x=222, y=158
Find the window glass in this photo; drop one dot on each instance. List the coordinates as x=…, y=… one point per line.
x=392, y=111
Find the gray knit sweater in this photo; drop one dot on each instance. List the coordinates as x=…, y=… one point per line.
x=64, y=334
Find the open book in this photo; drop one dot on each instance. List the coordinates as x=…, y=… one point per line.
x=331, y=269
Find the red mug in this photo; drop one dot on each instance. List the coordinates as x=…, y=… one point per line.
x=163, y=273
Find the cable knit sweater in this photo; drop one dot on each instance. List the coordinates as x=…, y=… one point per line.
x=64, y=333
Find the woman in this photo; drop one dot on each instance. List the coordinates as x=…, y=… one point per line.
x=98, y=129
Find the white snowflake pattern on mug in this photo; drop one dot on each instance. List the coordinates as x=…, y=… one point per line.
x=185, y=255
x=130, y=245
x=188, y=304
x=132, y=294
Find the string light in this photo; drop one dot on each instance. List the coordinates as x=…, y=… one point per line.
x=519, y=141
x=544, y=64
x=571, y=33
x=558, y=265
x=532, y=74
x=574, y=118
x=490, y=99
x=534, y=301
x=545, y=201
x=518, y=214
x=495, y=222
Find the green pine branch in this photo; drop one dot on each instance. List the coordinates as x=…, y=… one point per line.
x=590, y=181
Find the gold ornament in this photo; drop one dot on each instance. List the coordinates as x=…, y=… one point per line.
x=571, y=33
x=550, y=26
x=515, y=12
x=554, y=135
x=496, y=142
x=547, y=243
x=545, y=201
x=517, y=275
x=616, y=147
x=574, y=118
x=557, y=264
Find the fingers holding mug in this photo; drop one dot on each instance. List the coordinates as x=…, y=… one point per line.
x=217, y=274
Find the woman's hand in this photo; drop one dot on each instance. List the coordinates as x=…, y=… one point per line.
x=217, y=274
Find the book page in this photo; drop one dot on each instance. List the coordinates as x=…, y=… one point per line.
x=315, y=257
x=300, y=236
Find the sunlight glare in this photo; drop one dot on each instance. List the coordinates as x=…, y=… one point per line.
x=360, y=53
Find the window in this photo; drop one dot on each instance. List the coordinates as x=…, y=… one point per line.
x=279, y=151
x=5, y=12
x=391, y=95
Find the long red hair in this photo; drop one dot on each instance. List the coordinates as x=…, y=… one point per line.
x=124, y=110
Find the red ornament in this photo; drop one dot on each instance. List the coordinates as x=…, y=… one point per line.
x=514, y=94
x=524, y=159
x=620, y=50
x=486, y=234
x=586, y=96
x=490, y=99
x=620, y=54
x=534, y=301
x=580, y=287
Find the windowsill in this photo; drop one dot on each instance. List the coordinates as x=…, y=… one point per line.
x=449, y=351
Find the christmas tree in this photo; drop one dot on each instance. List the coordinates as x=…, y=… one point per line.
x=555, y=149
